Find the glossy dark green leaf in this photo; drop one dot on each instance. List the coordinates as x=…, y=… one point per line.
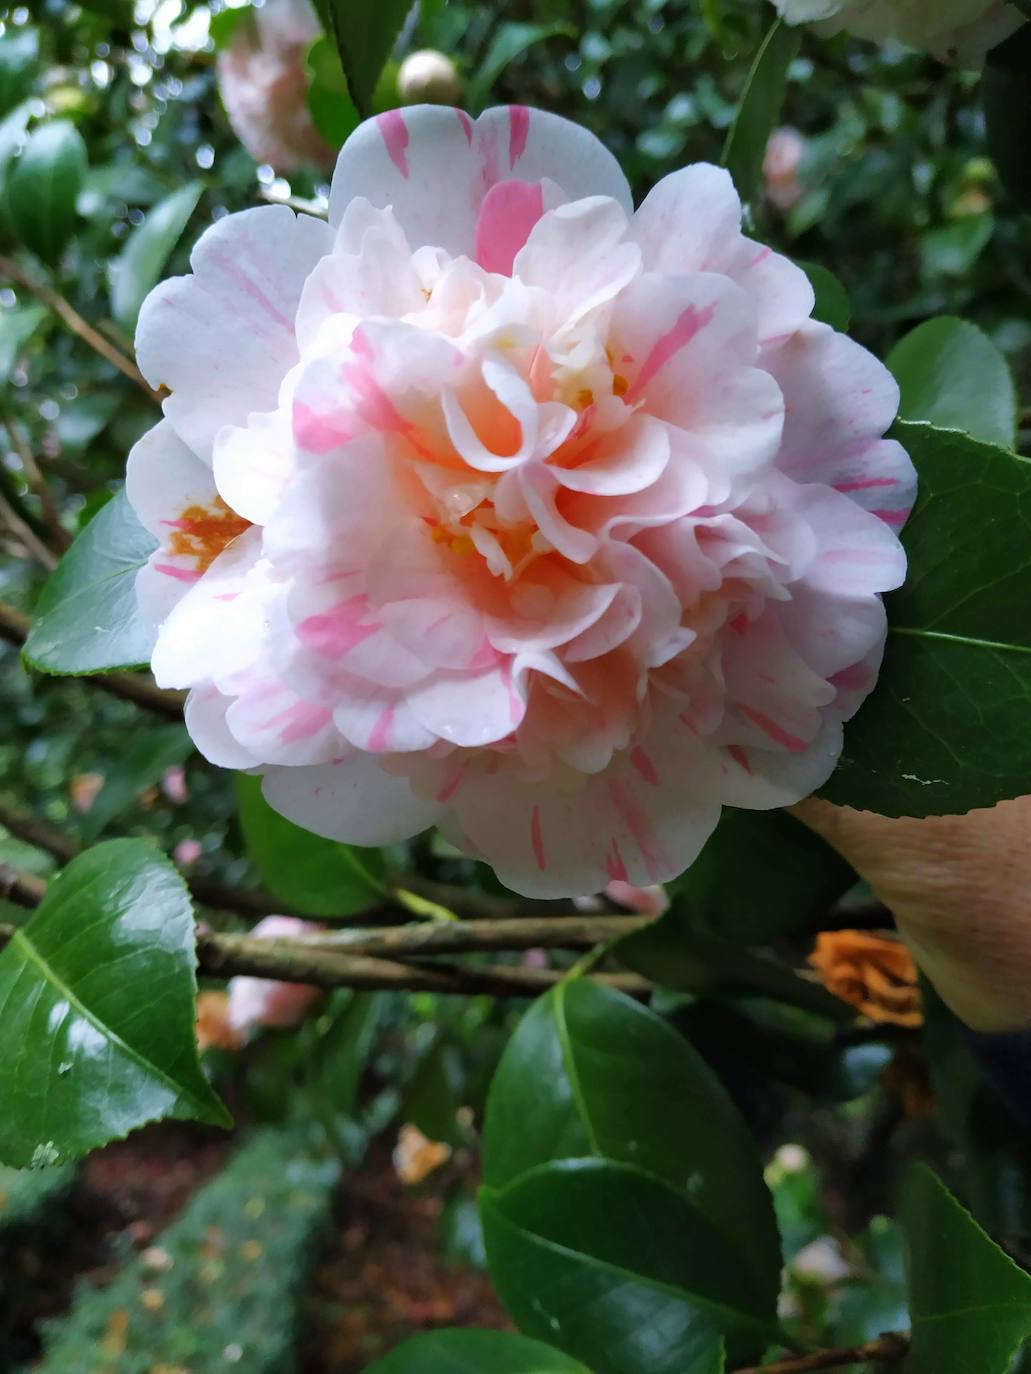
x=475, y=1352
x=97, y=1009
x=140, y=766
x=991, y=1151
x=315, y=876
x=42, y=187
x=329, y=100
x=832, y=306
x=141, y=263
x=1006, y=94
x=952, y=376
x=948, y=727
x=969, y=1303
x=19, y=63
x=511, y=40
x=86, y=618
x=759, y=110
x=620, y=1270
x=790, y=878
x=591, y=1072
x=364, y=32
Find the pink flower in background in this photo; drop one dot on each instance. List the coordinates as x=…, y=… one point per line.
x=187, y=852
x=495, y=506
x=957, y=31
x=264, y=1001
x=784, y=153
x=264, y=86
x=173, y=784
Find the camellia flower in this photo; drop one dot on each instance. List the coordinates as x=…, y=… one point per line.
x=264, y=85
x=495, y=506
x=784, y=153
x=268, y=1001
x=958, y=31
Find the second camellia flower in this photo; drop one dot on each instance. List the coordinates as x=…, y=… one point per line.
x=497, y=506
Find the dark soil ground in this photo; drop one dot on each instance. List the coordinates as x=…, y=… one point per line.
x=381, y=1277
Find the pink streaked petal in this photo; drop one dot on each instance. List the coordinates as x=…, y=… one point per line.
x=402, y=160
x=509, y=211
x=237, y=311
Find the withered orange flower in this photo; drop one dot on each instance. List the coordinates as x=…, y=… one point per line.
x=875, y=973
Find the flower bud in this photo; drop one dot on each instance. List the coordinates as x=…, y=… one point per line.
x=428, y=78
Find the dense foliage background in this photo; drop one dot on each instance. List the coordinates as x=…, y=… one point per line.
x=897, y=196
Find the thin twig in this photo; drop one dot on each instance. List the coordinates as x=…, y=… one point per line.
x=30, y=540
x=228, y=956
x=888, y=1347
x=225, y=955
x=33, y=475
x=67, y=313
x=24, y=889
x=481, y=936
x=134, y=687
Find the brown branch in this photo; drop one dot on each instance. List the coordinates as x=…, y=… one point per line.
x=70, y=317
x=226, y=955
x=33, y=475
x=888, y=1347
x=480, y=936
x=134, y=687
x=27, y=536
x=24, y=889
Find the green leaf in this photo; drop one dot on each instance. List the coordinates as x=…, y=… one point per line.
x=1006, y=95
x=951, y=375
x=225, y=23
x=511, y=40
x=42, y=188
x=141, y=263
x=364, y=32
x=86, y=617
x=315, y=876
x=139, y=767
x=953, y=249
x=97, y=1009
x=991, y=1150
x=475, y=1352
x=791, y=877
x=620, y=1270
x=947, y=727
x=19, y=63
x=329, y=100
x=17, y=326
x=969, y=1303
x=759, y=111
x=591, y=1072
x=832, y=306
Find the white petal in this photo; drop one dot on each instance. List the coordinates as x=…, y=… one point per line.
x=353, y=800
x=222, y=340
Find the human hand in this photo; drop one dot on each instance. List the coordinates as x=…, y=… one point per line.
x=959, y=888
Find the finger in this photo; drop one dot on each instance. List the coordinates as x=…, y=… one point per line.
x=960, y=890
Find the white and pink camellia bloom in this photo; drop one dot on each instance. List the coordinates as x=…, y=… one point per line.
x=264, y=85
x=956, y=31
x=497, y=506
